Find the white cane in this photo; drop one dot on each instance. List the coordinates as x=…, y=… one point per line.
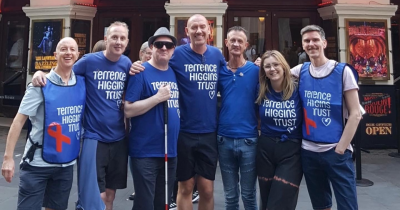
x=166, y=153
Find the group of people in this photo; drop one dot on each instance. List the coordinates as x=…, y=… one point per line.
x=375, y=66
x=96, y=93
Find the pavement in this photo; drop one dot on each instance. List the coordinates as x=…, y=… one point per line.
x=377, y=166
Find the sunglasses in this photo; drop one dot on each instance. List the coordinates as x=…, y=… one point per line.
x=160, y=45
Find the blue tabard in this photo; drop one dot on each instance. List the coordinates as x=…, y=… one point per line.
x=63, y=107
x=322, y=100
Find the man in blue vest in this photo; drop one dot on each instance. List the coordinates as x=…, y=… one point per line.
x=102, y=167
x=46, y=169
x=328, y=91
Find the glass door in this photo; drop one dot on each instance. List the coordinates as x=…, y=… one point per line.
x=287, y=34
x=272, y=30
x=13, y=63
x=258, y=26
x=148, y=23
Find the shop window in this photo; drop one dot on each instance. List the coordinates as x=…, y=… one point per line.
x=14, y=68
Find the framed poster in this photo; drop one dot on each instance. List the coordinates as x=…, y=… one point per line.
x=367, y=48
x=180, y=34
x=379, y=124
x=45, y=36
x=80, y=31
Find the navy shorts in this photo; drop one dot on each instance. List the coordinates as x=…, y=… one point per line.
x=322, y=168
x=197, y=154
x=112, y=165
x=47, y=187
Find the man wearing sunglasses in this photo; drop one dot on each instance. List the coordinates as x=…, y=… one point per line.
x=196, y=66
x=145, y=97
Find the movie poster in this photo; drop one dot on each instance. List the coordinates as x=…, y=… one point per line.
x=368, y=51
x=45, y=36
x=378, y=126
x=80, y=31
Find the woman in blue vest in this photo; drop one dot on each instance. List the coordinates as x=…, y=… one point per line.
x=278, y=151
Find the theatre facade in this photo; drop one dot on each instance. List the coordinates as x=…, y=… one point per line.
x=361, y=32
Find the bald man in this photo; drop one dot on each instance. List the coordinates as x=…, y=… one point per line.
x=56, y=110
x=102, y=166
x=196, y=66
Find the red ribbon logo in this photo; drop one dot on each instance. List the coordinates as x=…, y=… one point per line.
x=309, y=122
x=57, y=134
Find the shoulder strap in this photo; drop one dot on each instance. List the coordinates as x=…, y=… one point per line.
x=29, y=125
x=305, y=66
x=353, y=70
x=355, y=73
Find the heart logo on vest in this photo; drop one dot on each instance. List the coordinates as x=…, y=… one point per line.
x=326, y=121
x=291, y=129
x=211, y=94
x=179, y=113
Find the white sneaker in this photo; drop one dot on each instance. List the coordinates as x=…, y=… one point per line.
x=172, y=206
x=195, y=196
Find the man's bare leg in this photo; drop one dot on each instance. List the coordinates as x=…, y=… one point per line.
x=185, y=191
x=108, y=197
x=206, y=193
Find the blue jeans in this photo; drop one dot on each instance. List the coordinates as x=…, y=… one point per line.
x=235, y=155
x=320, y=168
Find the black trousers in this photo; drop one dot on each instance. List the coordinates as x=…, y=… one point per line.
x=149, y=182
x=279, y=172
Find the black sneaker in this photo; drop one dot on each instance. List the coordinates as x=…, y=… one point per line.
x=132, y=197
x=172, y=206
x=195, y=196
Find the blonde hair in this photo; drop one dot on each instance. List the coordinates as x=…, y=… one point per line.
x=117, y=23
x=287, y=85
x=99, y=46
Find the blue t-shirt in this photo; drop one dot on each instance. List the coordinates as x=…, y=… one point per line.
x=279, y=117
x=146, y=138
x=197, y=77
x=105, y=85
x=238, y=116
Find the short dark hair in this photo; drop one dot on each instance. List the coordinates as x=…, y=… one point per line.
x=238, y=28
x=316, y=28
